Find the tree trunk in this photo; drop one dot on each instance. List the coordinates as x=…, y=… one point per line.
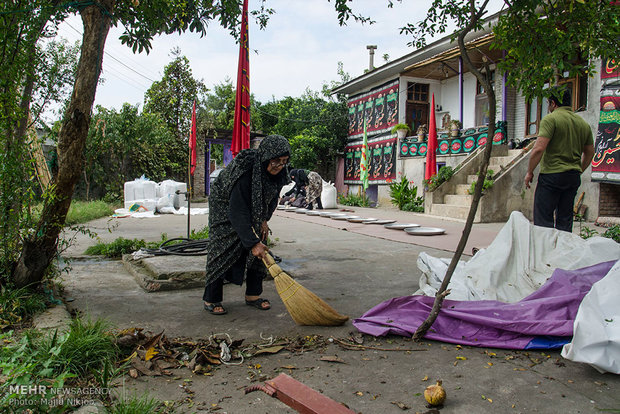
x=39, y=250
x=443, y=290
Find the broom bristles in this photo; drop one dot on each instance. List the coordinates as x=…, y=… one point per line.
x=305, y=307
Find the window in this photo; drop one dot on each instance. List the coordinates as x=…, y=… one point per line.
x=417, y=92
x=538, y=108
x=482, y=102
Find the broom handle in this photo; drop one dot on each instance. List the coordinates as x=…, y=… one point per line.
x=268, y=260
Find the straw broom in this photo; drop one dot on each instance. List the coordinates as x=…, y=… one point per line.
x=305, y=307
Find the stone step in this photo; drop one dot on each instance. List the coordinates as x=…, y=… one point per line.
x=462, y=189
x=458, y=200
x=449, y=210
x=472, y=178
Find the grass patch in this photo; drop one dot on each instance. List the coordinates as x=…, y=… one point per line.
x=117, y=248
x=73, y=359
x=85, y=211
x=19, y=304
x=135, y=405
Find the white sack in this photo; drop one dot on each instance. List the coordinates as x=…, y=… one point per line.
x=329, y=195
x=520, y=259
x=596, y=338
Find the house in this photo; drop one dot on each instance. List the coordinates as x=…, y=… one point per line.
x=401, y=92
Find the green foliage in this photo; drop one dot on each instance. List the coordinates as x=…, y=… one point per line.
x=488, y=183
x=354, y=200
x=117, y=248
x=398, y=127
x=317, y=128
x=612, y=232
x=82, y=212
x=120, y=246
x=54, y=359
x=123, y=146
x=444, y=174
x=173, y=97
x=405, y=195
x=16, y=305
x=136, y=405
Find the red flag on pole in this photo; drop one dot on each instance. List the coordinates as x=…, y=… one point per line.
x=192, y=143
x=241, y=126
x=431, y=150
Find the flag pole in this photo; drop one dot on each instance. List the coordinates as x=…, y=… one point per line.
x=189, y=187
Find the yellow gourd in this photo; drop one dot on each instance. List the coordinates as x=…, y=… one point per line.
x=435, y=394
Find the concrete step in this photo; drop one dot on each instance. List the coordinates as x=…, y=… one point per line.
x=462, y=189
x=449, y=210
x=472, y=178
x=458, y=200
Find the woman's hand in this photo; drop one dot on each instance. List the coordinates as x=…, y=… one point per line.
x=260, y=250
x=264, y=230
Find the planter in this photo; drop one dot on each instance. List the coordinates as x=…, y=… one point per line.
x=454, y=132
x=401, y=133
x=421, y=137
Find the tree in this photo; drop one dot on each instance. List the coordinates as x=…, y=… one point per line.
x=124, y=145
x=564, y=31
x=174, y=95
x=141, y=23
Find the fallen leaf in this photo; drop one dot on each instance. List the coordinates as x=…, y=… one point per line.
x=489, y=400
x=332, y=358
x=359, y=393
x=400, y=405
x=490, y=364
x=133, y=373
x=270, y=350
x=483, y=397
x=462, y=358
x=570, y=381
x=425, y=378
x=288, y=367
x=150, y=353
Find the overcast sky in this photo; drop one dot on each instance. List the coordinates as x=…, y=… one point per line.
x=299, y=49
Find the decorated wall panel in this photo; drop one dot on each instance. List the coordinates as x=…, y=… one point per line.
x=471, y=139
x=379, y=107
x=606, y=162
x=382, y=156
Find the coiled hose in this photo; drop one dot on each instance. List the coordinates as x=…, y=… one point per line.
x=187, y=247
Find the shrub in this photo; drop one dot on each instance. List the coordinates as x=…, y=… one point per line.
x=443, y=175
x=354, y=200
x=488, y=183
x=405, y=196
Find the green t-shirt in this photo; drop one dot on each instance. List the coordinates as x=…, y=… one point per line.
x=568, y=134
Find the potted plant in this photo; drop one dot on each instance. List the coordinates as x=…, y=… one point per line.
x=400, y=130
x=421, y=131
x=455, y=127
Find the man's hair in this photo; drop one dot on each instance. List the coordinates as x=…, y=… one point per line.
x=566, y=97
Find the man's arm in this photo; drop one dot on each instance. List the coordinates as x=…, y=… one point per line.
x=535, y=156
x=586, y=157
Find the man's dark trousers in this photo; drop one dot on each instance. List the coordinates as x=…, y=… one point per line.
x=555, y=194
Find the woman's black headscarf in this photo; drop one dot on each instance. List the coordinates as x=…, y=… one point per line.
x=224, y=247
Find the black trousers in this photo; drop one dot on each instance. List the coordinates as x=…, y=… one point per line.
x=554, y=199
x=214, y=292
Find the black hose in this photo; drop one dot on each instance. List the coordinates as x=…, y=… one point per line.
x=187, y=247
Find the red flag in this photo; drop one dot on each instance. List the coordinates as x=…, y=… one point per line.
x=241, y=126
x=192, y=143
x=431, y=150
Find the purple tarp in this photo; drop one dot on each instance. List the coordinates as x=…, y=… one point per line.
x=550, y=311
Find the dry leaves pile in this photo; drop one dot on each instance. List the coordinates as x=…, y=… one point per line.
x=154, y=355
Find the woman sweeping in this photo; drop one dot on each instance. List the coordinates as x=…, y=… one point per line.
x=242, y=200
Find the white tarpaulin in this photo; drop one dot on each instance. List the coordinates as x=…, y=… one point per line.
x=596, y=337
x=520, y=259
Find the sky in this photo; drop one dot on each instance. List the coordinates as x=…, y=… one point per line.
x=300, y=48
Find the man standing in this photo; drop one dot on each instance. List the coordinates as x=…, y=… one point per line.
x=564, y=148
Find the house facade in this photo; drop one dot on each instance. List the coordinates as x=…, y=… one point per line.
x=401, y=91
